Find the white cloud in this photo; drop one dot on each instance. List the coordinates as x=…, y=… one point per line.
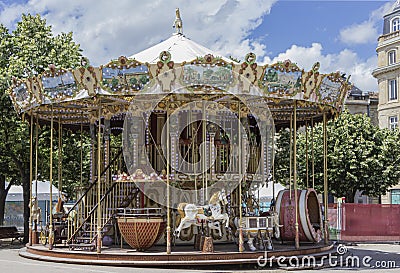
x=346, y=61
x=108, y=29
x=367, y=31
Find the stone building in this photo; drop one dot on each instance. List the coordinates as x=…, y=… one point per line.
x=388, y=75
x=363, y=102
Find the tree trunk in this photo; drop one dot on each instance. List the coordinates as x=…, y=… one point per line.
x=27, y=196
x=350, y=196
x=3, y=196
x=23, y=168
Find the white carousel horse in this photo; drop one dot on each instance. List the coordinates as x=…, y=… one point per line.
x=192, y=214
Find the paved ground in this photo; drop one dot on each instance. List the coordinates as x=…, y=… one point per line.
x=366, y=258
x=384, y=257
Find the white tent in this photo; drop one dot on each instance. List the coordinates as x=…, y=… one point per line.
x=43, y=191
x=268, y=191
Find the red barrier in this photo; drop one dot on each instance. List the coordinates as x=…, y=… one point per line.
x=370, y=222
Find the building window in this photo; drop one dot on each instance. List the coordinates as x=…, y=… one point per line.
x=393, y=122
x=392, y=57
x=396, y=24
x=392, y=87
x=395, y=197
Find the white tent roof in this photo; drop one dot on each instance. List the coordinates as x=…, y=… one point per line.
x=43, y=191
x=268, y=191
x=181, y=49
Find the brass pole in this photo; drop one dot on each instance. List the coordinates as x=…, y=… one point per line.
x=297, y=244
x=51, y=234
x=79, y=192
x=290, y=156
x=36, y=168
x=193, y=133
x=36, y=157
x=273, y=167
x=59, y=158
x=168, y=189
x=99, y=239
x=312, y=153
x=30, y=182
x=107, y=138
x=81, y=146
x=203, y=162
x=240, y=157
x=325, y=181
x=36, y=151
x=273, y=174
x=264, y=155
x=306, y=155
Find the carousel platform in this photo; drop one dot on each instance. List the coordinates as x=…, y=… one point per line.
x=181, y=256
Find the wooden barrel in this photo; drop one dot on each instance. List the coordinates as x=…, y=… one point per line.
x=309, y=217
x=141, y=233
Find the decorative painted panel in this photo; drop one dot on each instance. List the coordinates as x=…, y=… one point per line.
x=216, y=77
x=21, y=97
x=281, y=79
x=60, y=86
x=328, y=91
x=117, y=79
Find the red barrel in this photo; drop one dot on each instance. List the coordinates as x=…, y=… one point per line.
x=309, y=215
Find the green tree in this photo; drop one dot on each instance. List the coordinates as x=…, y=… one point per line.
x=26, y=51
x=360, y=157
x=282, y=155
x=5, y=111
x=70, y=158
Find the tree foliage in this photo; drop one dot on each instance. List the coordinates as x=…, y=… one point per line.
x=25, y=52
x=360, y=157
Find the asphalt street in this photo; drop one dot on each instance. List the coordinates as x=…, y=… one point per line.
x=366, y=258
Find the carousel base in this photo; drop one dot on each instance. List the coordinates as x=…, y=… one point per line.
x=224, y=254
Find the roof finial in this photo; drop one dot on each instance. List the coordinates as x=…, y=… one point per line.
x=178, y=22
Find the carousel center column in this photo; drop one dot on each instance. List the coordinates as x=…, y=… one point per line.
x=212, y=129
x=242, y=167
x=106, y=136
x=168, y=182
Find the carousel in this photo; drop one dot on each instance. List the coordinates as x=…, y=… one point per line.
x=198, y=133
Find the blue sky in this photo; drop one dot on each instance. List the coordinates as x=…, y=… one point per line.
x=305, y=22
x=341, y=35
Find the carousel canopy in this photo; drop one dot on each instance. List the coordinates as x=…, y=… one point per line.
x=179, y=46
x=186, y=69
